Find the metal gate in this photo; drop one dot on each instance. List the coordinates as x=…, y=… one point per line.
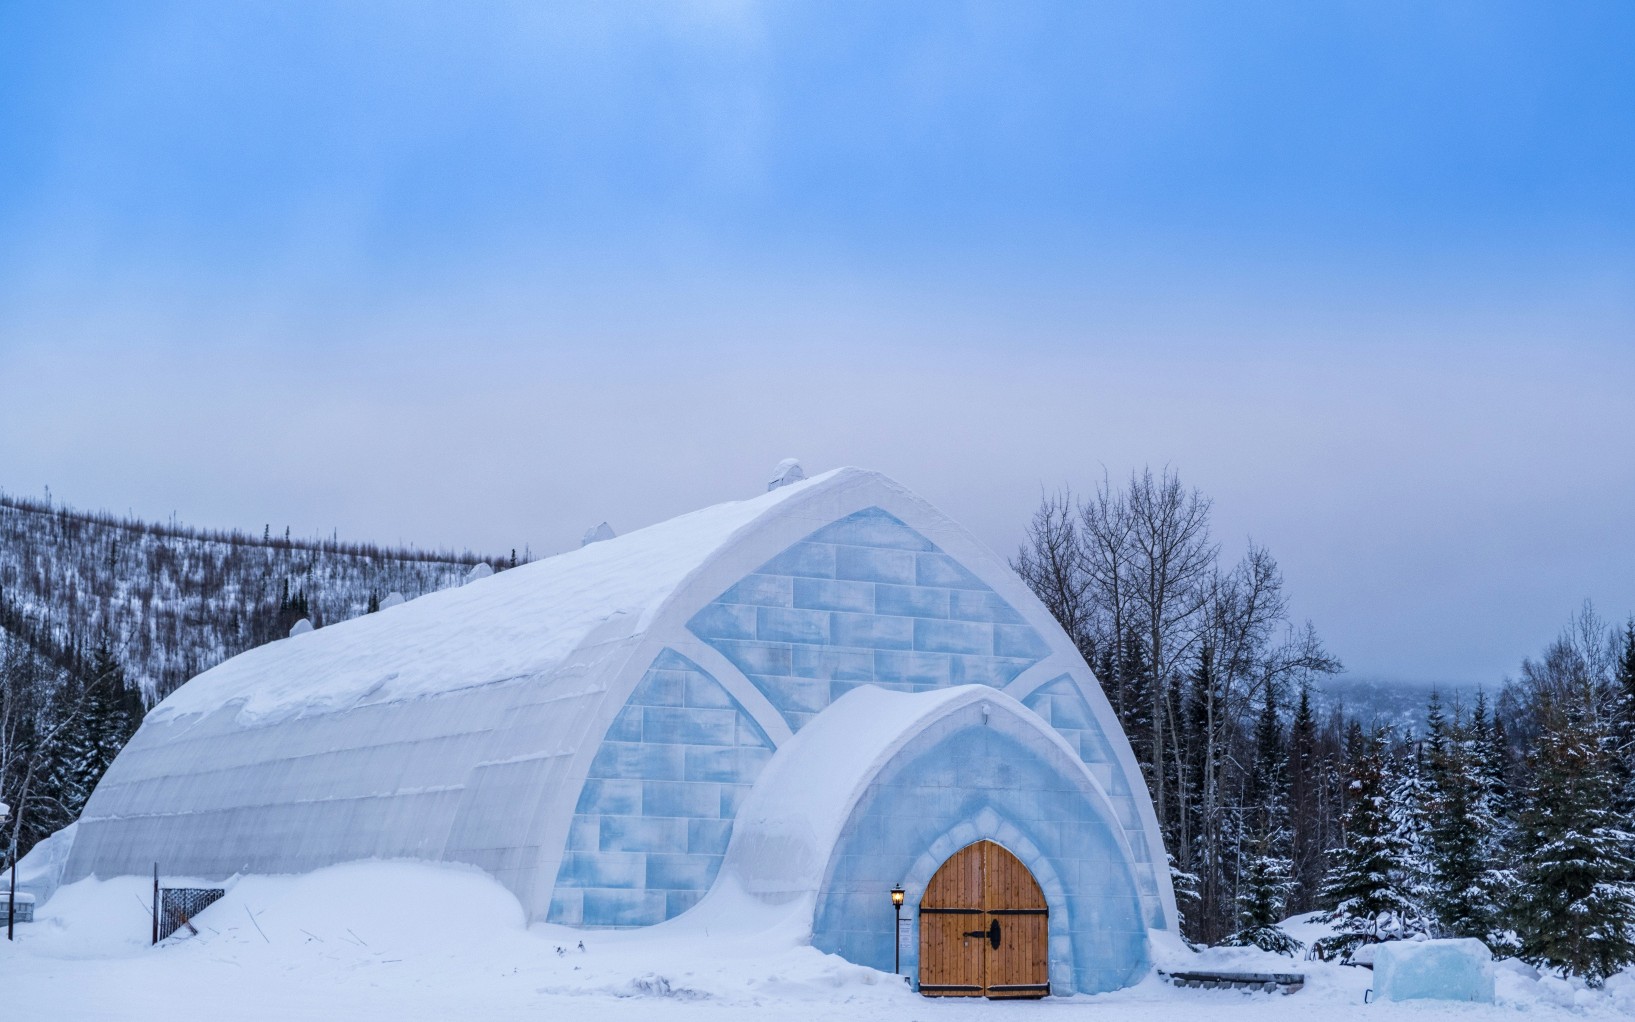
x=178, y=906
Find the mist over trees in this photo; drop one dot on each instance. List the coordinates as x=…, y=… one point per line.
x=1506, y=821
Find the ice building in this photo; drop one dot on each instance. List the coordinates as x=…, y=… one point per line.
x=794, y=702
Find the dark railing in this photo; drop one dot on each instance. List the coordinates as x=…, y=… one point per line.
x=178, y=906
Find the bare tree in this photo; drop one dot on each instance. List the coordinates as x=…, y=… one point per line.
x=1172, y=563
x=1136, y=580
x=1108, y=562
x=1051, y=563
x=1576, y=669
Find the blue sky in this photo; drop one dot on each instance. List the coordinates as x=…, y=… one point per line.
x=488, y=274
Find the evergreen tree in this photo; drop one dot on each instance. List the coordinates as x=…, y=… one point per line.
x=1187, y=899
x=1133, y=697
x=1265, y=879
x=97, y=716
x=1265, y=791
x=1575, y=910
x=1263, y=892
x=1367, y=883
x=1409, y=808
x=1306, y=770
x=1468, y=886
x=1624, y=717
x=1436, y=736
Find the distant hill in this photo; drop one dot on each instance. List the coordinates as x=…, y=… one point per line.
x=1400, y=704
x=172, y=601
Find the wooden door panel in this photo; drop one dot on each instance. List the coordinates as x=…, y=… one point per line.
x=958, y=883
x=952, y=964
x=1021, y=965
x=984, y=928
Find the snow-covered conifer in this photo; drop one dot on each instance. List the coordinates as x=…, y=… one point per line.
x=1575, y=900
x=1265, y=871
x=1409, y=807
x=1468, y=885
x=1624, y=716
x=1369, y=882
x=1306, y=770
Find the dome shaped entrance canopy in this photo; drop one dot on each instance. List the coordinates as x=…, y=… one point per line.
x=586, y=727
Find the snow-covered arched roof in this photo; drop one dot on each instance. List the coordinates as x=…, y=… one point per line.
x=524, y=621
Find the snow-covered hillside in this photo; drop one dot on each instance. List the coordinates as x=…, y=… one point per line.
x=174, y=601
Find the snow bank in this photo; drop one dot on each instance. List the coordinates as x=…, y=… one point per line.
x=411, y=941
x=405, y=941
x=40, y=871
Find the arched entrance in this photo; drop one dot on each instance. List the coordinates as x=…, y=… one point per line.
x=984, y=928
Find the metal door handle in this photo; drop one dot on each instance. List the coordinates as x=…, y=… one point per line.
x=992, y=933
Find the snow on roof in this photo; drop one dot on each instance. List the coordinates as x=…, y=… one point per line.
x=519, y=622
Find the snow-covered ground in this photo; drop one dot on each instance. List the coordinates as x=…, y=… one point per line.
x=410, y=941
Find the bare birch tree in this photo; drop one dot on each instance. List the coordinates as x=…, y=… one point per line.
x=1051, y=563
x=1172, y=562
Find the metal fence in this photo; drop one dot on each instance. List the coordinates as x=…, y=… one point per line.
x=178, y=906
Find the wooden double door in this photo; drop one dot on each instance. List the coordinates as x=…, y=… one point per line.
x=984, y=928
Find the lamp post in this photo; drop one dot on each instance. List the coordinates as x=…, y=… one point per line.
x=897, y=935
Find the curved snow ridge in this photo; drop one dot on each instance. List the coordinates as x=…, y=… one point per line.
x=524, y=621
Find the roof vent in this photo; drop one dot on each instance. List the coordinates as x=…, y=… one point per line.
x=596, y=535
x=788, y=471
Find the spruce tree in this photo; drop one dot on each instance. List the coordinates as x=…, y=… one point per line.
x=1134, y=693
x=1624, y=717
x=1265, y=879
x=1575, y=905
x=1187, y=896
x=1264, y=887
x=65, y=754
x=1367, y=884
x=1409, y=808
x=1305, y=803
x=100, y=722
x=1468, y=885
x=1436, y=736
